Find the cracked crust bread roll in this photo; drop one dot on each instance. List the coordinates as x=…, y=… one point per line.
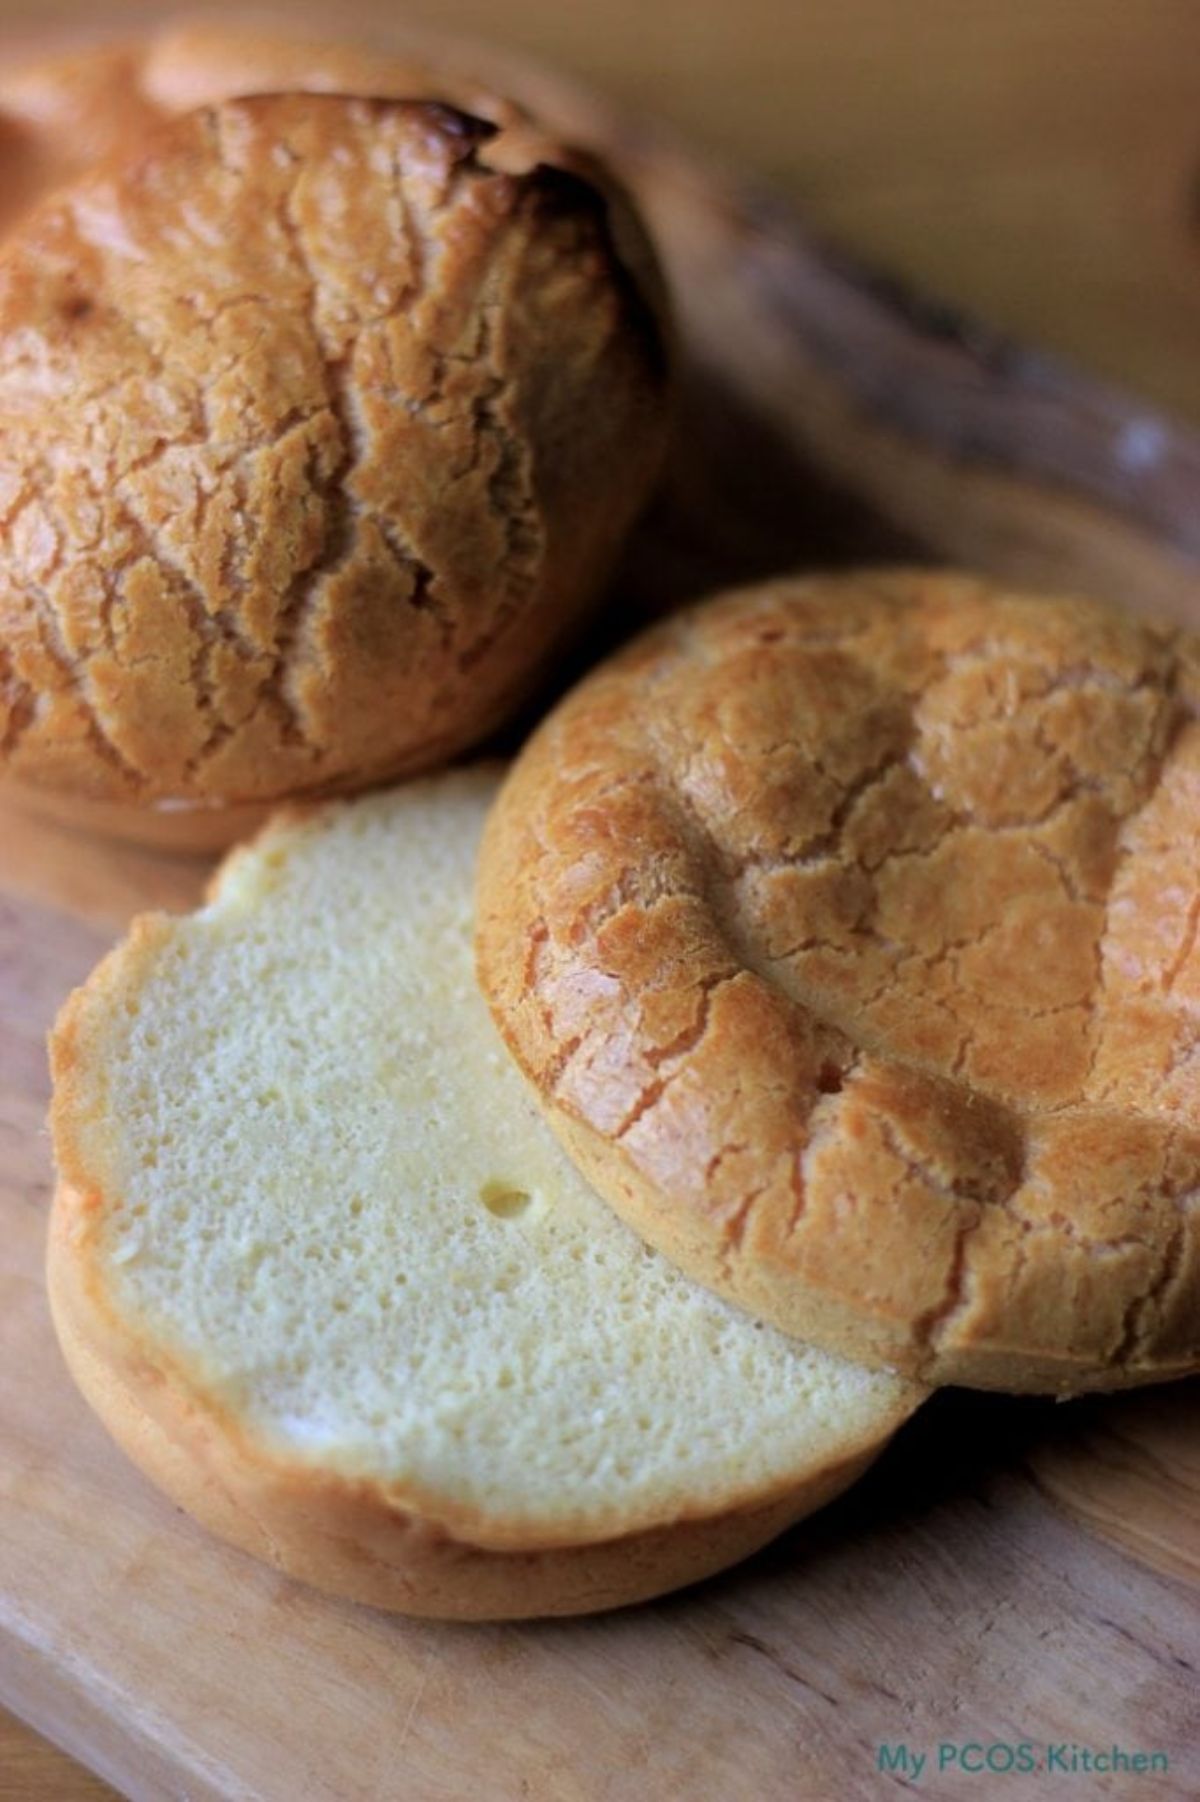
x=322, y=420
x=323, y=1271
x=846, y=931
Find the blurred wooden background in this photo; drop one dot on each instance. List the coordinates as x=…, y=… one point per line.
x=1036, y=161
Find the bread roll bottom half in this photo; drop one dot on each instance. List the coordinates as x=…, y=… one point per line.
x=326, y=1275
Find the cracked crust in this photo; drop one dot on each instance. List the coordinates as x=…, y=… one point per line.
x=846, y=929
x=321, y=419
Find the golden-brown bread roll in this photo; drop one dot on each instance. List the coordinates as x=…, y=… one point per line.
x=846, y=929
x=321, y=421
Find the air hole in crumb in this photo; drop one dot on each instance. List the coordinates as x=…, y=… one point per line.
x=829, y=1079
x=77, y=306
x=503, y=1200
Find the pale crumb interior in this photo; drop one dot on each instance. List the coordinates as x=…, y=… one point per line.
x=340, y=1204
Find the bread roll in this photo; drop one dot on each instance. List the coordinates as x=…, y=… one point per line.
x=321, y=422
x=324, y=1272
x=845, y=929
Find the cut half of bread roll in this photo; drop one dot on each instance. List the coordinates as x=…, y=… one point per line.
x=324, y=1272
x=845, y=927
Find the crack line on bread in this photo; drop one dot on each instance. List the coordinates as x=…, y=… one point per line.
x=74, y=677
x=201, y=625
x=1187, y=946
x=676, y=1056
x=278, y=687
x=932, y=1328
x=20, y=704
x=510, y=488
x=736, y=1224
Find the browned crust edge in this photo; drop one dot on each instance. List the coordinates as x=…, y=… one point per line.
x=353, y=1540
x=771, y=1297
x=395, y=1548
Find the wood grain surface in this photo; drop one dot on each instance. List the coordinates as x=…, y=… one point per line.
x=32, y=1769
x=1010, y=1571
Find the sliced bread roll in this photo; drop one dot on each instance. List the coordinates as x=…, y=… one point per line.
x=326, y=1275
x=845, y=927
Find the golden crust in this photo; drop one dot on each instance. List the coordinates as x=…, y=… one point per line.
x=291, y=504
x=846, y=930
x=397, y=1547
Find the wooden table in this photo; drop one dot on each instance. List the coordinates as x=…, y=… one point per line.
x=1038, y=162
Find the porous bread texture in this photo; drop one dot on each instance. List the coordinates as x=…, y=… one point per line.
x=846, y=929
x=322, y=1268
x=321, y=421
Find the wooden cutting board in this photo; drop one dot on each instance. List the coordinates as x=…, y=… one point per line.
x=1010, y=1572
